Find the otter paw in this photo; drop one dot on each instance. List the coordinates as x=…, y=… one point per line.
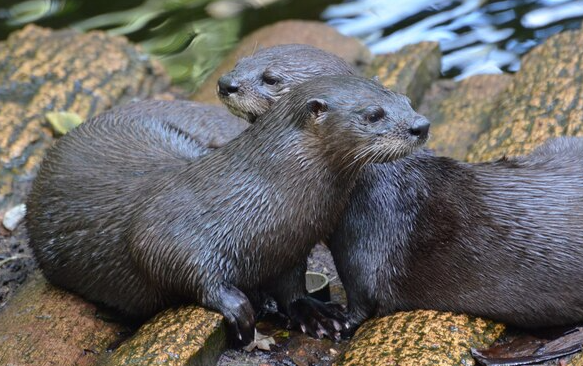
x=239, y=314
x=348, y=331
x=318, y=319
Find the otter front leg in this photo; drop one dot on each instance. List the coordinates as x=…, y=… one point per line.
x=236, y=308
x=314, y=317
x=361, y=300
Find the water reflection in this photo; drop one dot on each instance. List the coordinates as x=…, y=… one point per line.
x=476, y=36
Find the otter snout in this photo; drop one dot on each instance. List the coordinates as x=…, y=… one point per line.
x=420, y=128
x=227, y=85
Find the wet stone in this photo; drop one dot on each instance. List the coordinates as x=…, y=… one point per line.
x=460, y=112
x=409, y=71
x=542, y=101
x=188, y=335
x=419, y=338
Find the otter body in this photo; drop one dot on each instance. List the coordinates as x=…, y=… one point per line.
x=125, y=212
x=244, y=91
x=501, y=240
x=210, y=126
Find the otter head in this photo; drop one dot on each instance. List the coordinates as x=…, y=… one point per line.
x=355, y=121
x=259, y=80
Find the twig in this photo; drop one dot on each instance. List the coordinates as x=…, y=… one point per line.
x=14, y=257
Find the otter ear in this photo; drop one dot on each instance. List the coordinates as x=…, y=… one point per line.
x=317, y=108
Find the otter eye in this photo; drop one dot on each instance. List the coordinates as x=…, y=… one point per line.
x=269, y=80
x=375, y=115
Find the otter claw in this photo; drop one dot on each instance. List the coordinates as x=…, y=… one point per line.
x=316, y=318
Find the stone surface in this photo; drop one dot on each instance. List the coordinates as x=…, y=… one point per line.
x=16, y=262
x=458, y=118
x=419, y=338
x=290, y=31
x=43, y=325
x=184, y=336
x=409, y=71
x=543, y=100
x=577, y=360
x=62, y=71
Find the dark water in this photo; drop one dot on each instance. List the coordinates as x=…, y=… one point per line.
x=191, y=36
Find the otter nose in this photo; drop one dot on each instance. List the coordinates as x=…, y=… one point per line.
x=420, y=128
x=227, y=85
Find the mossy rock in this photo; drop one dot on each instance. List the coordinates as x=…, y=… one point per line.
x=419, y=338
x=410, y=71
x=542, y=101
x=44, y=71
x=463, y=113
x=189, y=335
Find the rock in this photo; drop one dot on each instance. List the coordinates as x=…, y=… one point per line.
x=43, y=325
x=461, y=112
x=543, y=100
x=290, y=31
x=45, y=71
x=185, y=336
x=14, y=216
x=419, y=338
x=409, y=71
x=577, y=360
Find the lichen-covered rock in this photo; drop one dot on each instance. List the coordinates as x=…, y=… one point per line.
x=419, y=338
x=463, y=114
x=577, y=360
x=60, y=71
x=177, y=337
x=43, y=325
x=409, y=71
x=543, y=100
x=313, y=33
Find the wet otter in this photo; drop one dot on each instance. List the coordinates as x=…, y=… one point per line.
x=244, y=91
x=211, y=126
x=501, y=240
x=122, y=213
x=262, y=78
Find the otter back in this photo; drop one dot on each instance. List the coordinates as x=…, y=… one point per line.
x=500, y=240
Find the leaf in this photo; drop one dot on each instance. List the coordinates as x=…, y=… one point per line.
x=63, y=122
x=261, y=342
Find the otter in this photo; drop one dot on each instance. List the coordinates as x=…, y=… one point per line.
x=210, y=126
x=259, y=80
x=500, y=240
x=123, y=214
x=247, y=91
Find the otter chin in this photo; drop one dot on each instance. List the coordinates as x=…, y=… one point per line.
x=123, y=212
x=259, y=80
